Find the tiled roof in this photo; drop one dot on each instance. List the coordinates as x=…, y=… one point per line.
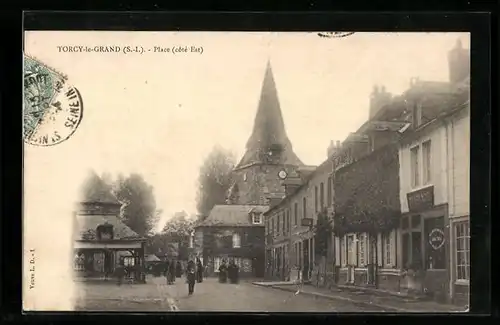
x=232, y=215
x=86, y=225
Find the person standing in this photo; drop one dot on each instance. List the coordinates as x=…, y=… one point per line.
x=178, y=269
x=171, y=272
x=191, y=276
x=165, y=271
x=223, y=272
x=199, y=267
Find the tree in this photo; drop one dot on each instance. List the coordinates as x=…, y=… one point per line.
x=214, y=179
x=138, y=203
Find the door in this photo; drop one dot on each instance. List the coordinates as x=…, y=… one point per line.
x=305, y=271
x=351, y=257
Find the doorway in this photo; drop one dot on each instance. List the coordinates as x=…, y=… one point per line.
x=351, y=258
x=305, y=270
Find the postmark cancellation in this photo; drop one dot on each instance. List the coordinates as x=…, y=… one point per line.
x=52, y=107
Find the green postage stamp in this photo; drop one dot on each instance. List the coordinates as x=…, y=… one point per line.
x=52, y=108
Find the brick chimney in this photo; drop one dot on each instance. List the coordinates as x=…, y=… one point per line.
x=378, y=98
x=333, y=148
x=458, y=63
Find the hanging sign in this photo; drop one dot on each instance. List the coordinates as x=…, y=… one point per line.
x=436, y=238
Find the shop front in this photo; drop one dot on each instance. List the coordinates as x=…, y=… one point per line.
x=425, y=246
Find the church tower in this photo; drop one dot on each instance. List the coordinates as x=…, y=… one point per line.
x=256, y=178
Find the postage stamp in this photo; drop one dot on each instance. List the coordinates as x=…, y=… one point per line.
x=52, y=108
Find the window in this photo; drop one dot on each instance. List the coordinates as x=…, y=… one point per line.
x=128, y=261
x=245, y=177
x=278, y=223
x=296, y=213
x=288, y=221
x=462, y=244
x=321, y=195
x=284, y=222
x=315, y=199
x=362, y=249
x=236, y=240
x=415, y=178
x=256, y=218
x=329, y=191
x=304, y=207
x=79, y=262
x=272, y=226
x=191, y=241
x=387, y=249
x=426, y=162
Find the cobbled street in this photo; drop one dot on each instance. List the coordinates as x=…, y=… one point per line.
x=210, y=295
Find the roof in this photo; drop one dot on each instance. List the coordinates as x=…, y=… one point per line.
x=86, y=225
x=95, y=190
x=232, y=215
x=269, y=130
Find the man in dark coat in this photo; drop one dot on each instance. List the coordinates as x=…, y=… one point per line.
x=233, y=272
x=191, y=276
x=171, y=272
x=199, y=269
x=165, y=270
x=178, y=269
x=223, y=272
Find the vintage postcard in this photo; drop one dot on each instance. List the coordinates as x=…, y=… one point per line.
x=246, y=171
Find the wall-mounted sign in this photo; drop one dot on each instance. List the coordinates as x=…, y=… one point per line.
x=436, y=238
x=421, y=200
x=306, y=222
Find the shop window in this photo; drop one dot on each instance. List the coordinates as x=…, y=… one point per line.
x=435, y=254
x=415, y=221
x=404, y=223
x=256, y=218
x=462, y=244
x=412, y=251
x=128, y=261
x=79, y=262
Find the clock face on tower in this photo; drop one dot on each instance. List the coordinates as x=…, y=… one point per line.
x=282, y=174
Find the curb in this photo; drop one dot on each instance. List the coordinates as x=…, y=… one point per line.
x=330, y=297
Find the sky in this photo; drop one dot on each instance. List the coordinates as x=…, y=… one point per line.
x=160, y=114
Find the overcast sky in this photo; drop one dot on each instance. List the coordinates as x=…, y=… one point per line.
x=160, y=114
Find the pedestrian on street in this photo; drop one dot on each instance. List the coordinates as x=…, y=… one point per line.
x=120, y=272
x=171, y=272
x=178, y=269
x=165, y=271
x=223, y=272
x=191, y=276
x=199, y=268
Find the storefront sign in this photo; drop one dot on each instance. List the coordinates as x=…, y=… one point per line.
x=436, y=238
x=421, y=200
x=306, y=222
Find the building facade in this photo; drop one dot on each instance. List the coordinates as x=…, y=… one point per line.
x=232, y=232
x=101, y=241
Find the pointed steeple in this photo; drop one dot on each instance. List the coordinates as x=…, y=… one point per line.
x=269, y=142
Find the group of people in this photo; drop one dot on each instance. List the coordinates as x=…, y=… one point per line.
x=172, y=270
x=230, y=272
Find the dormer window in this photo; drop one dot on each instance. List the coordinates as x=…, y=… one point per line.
x=104, y=231
x=256, y=219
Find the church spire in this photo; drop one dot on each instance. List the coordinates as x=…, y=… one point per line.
x=269, y=142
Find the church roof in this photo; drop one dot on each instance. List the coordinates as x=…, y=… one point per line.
x=233, y=215
x=269, y=129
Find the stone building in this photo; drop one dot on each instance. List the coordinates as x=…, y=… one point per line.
x=101, y=241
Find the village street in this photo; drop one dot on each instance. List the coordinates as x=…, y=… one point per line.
x=209, y=296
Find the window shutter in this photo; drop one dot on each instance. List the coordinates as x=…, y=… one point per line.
x=393, y=248
x=337, y=250
x=380, y=256
x=344, y=251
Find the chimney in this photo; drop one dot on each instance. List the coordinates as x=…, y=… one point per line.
x=378, y=98
x=338, y=144
x=274, y=199
x=458, y=63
